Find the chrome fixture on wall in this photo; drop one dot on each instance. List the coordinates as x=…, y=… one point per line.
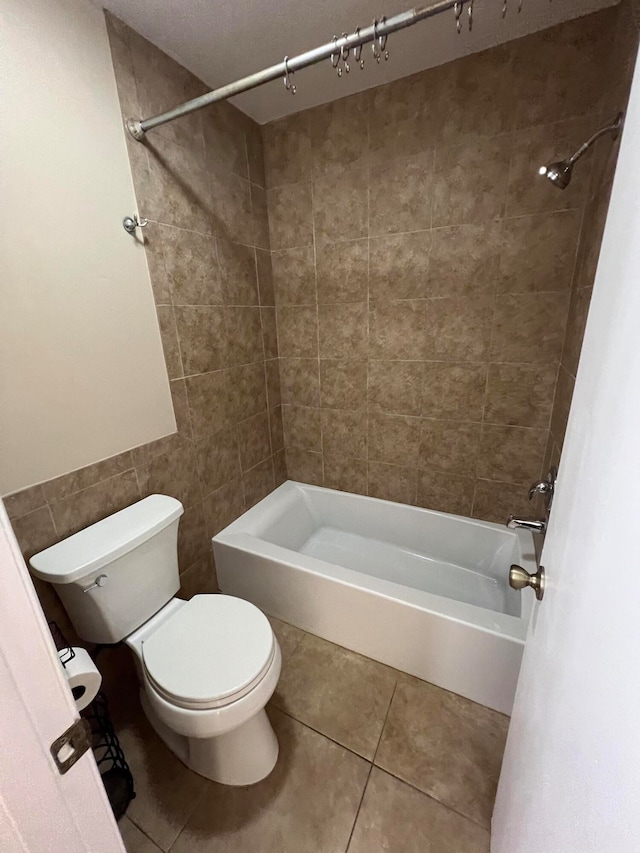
x=545, y=488
x=130, y=223
x=559, y=173
x=532, y=524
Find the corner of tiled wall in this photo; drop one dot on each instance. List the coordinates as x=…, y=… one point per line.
x=422, y=272
x=200, y=183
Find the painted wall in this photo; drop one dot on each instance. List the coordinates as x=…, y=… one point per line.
x=201, y=184
x=422, y=271
x=82, y=375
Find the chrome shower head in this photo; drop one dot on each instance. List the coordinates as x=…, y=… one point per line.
x=559, y=173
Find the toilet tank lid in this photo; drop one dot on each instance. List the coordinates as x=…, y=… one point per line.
x=103, y=542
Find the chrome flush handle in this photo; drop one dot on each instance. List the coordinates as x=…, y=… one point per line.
x=98, y=582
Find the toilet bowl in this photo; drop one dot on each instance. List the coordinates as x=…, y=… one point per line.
x=207, y=667
x=209, y=708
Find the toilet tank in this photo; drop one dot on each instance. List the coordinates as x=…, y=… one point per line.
x=115, y=574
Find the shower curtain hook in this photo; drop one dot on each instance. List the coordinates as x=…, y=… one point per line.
x=382, y=41
x=357, y=51
x=504, y=8
x=457, y=11
x=336, y=56
x=374, y=46
x=470, y=10
x=344, y=55
x=288, y=85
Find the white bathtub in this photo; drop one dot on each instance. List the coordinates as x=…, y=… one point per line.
x=422, y=591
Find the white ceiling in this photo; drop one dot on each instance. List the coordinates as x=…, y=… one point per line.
x=222, y=40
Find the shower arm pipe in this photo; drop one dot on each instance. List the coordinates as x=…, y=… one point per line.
x=138, y=127
x=613, y=128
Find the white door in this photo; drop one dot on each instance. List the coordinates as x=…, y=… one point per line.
x=40, y=810
x=570, y=780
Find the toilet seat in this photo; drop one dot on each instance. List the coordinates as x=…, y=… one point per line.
x=209, y=653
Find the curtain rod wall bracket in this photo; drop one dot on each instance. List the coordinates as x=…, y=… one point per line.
x=135, y=128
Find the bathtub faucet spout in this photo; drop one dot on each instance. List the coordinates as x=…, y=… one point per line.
x=535, y=525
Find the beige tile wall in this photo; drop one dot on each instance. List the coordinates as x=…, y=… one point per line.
x=618, y=75
x=421, y=280
x=200, y=182
x=422, y=271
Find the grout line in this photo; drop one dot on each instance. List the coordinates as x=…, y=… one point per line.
x=246, y=158
x=386, y=717
x=146, y=834
x=554, y=397
x=486, y=382
x=316, y=304
x=205, y=789
x=566, y=291
x=53, y=521
x=432, y=797
x=357, y=814
x=368, y=358
x=135, y=471
x=372, y=764
x=391, y=234
x=318, y=732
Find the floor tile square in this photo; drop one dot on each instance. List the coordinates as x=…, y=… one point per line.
x=445, y=745
x=307, y=805
x=134, y=840
x=395, y=818
x=343, y=695
x=166, y=790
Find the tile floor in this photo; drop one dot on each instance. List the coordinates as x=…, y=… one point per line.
x=370, y=760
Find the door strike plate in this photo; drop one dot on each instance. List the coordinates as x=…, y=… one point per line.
x=71, y=745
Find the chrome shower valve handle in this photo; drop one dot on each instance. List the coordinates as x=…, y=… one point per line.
x=545, y=488
x=541, y=488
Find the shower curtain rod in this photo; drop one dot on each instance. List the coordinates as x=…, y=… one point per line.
x=339, y=46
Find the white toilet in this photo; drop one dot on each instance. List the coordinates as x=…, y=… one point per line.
x=207, y=666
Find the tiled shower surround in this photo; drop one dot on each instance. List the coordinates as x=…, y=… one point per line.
x=422, y=271
x=417, y=270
